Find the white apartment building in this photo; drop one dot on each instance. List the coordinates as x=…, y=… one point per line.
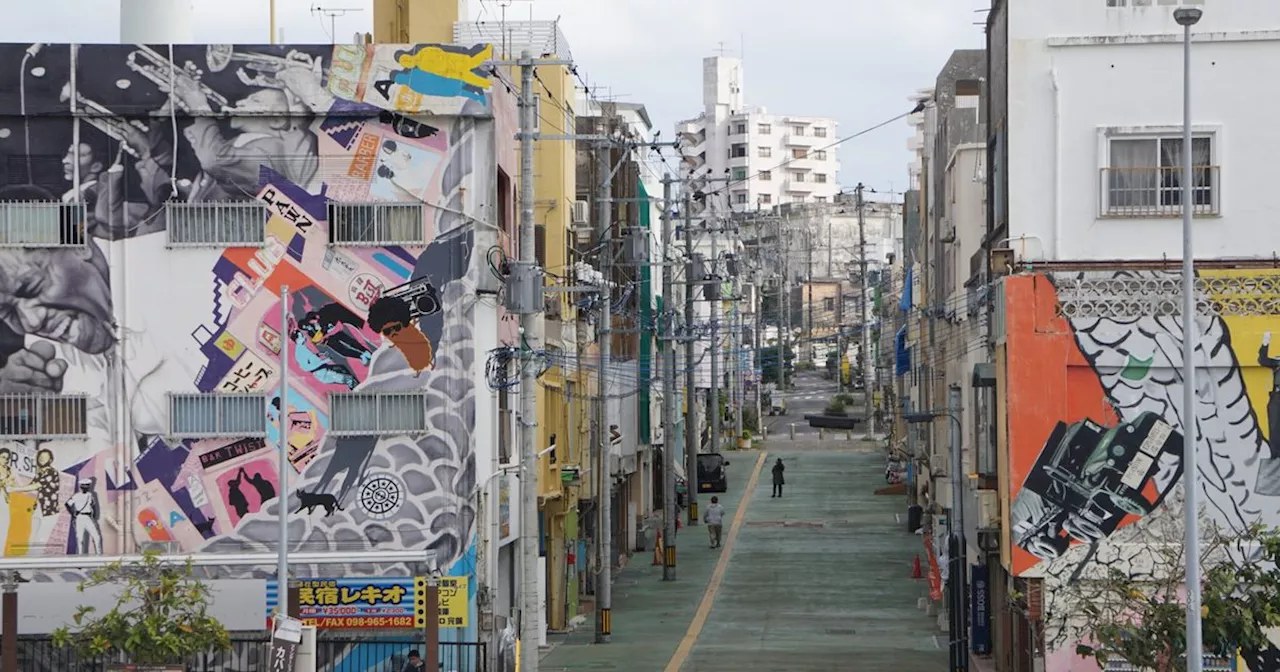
x=767, y=159
x=1093, y=129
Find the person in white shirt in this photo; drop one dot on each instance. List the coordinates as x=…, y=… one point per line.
x=714, y=518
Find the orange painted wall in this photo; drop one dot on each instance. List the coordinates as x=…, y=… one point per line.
x=1047, y=381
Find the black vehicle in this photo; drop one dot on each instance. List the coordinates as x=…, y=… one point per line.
x=713, y=476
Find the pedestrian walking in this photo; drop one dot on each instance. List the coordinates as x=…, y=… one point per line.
x=714, y=518
x=778, y=468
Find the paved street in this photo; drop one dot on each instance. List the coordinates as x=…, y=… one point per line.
x=810, y=394
x=811, y=581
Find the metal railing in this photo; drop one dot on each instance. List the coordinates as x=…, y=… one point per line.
x=216, y=223
x=47, y=416
x=238, y=414
x=362, y=413
x=252, y=654
x=1156, y=192
x=377, y=224
x=42, y=224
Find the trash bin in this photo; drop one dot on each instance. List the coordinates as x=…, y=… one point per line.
x=915, y=515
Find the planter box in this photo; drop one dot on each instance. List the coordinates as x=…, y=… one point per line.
x=833, y=421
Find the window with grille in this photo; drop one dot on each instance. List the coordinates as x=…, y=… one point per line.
x=764, y=152
x=217, y=414
x=765, y=175
x=819, y=132
x=363, y=413
x=764, y=129
x=216, y=223
x=377, y=224
x=44, y=416
x=1143, y=177
x=41, y=224
x=739, y=174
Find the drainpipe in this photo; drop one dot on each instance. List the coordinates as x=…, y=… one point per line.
x=1057, y=163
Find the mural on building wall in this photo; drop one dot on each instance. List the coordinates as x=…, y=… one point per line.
x=1096, y=428
x=293, y=128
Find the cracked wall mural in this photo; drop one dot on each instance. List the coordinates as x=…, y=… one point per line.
x=1095, y=424
x=122, y=317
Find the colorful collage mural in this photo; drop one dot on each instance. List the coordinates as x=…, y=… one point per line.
x=125, y=320
x=1095, y=427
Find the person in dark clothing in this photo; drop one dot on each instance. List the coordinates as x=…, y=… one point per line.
x=778, y=468
x=1268, y=482
x=415, y=663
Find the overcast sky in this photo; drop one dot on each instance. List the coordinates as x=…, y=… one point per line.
x=854, y=60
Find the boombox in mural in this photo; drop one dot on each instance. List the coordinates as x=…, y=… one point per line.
x=137, y=306
x=1089, y=477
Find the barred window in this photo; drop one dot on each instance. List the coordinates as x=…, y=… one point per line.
x=377, y=224
x=377, y=413
x=41, y=224
x=217, y=414
x=44, y=416
x=216, y=223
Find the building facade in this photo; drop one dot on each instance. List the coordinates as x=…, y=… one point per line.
x=152, y=221
x=752, y=158
x=1085, y=184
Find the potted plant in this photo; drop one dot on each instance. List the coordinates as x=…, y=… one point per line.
x=834, y=407
x=159, y=621
x=744, y=442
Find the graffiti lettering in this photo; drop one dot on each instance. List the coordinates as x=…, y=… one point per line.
x=364, y=290
x=365, y=158
x=383, y=86
x=242, y=288
x=229, y=452
x=281, y=205
x=249, y=377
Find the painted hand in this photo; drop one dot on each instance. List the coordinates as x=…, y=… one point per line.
x=35, y=368
x=1266, y=338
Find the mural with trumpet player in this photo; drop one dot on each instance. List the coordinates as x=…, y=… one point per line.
x=103, y=321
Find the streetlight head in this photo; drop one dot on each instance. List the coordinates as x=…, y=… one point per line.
x=1187, y=16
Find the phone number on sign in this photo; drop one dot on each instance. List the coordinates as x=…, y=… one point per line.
x=328, y=612
x=361, y=622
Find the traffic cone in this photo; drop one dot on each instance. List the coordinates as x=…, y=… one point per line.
x=915, y=568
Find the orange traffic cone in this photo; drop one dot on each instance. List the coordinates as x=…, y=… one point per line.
x=915, y=568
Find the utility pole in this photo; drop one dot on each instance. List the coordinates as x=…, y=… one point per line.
x=530, y=608
x=959, y=635
x=784, y=338
x=690, y=380
x=869, y=418
x=757, y=364
x=807, y=294
x=736, y=343
x=604, y=584
x=667, y=326
x=713, y=393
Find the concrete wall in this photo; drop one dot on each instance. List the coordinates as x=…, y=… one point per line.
x=1118, y=74
x=126, y=318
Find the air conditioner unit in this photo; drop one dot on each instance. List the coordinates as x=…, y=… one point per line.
x=581, y=210
x=161, y=547
x=988, y=509
x=947, y=230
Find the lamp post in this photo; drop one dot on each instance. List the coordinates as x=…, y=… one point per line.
x=956, y=551
x=1188, y=17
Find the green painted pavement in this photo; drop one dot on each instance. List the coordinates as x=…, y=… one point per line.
x=817, y=580
x=651, y=616
x=820, y=579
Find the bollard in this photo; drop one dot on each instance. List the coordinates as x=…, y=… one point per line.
x=848, y=436
x=822, y=433
x=792, y=426
x=9, y=619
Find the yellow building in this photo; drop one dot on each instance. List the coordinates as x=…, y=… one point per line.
x=565, y=390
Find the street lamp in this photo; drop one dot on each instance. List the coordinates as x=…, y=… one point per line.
x=1188, y=17
x=956, y=551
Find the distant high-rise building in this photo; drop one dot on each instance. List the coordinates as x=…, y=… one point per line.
x=768, y=159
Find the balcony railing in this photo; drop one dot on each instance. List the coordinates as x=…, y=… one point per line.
x=215, y=223
x=796, y=140
x=1156, y=192
x=42, y=224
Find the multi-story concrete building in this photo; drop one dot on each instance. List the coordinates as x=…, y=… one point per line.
x=767, y=159
x=152, y=221
x=1084, y=236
